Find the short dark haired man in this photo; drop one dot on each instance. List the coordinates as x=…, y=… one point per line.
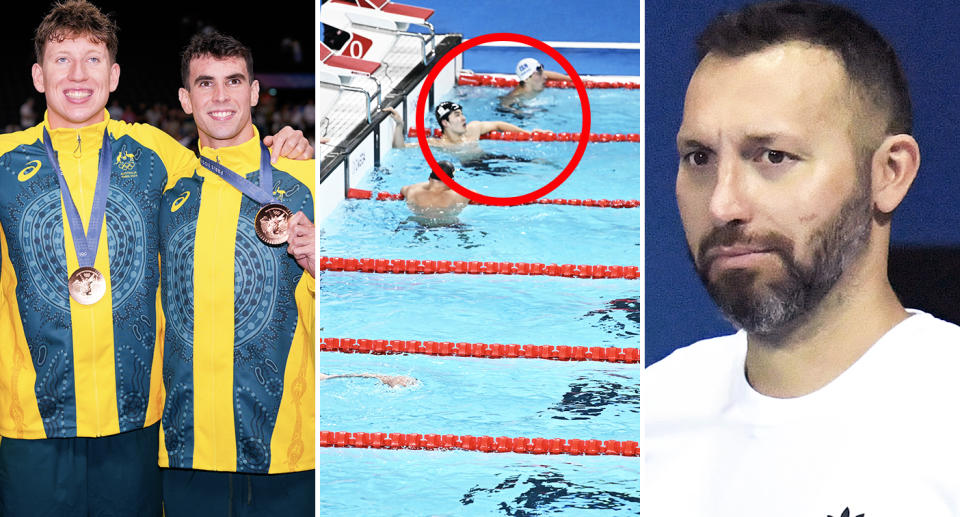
x=532, y=80
x=433, y=199
x=456, y=129
x=238, y=296
x=795, y=149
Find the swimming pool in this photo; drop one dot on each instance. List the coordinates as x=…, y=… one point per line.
x=420, y=483
x=478, y=396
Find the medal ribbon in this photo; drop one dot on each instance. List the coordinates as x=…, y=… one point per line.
x=85, y=242
x=257, y=192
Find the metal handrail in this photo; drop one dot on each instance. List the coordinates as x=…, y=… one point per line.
x=423, y=40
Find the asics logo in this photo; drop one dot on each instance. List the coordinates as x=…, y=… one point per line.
x=32, y=167
x=177, y=203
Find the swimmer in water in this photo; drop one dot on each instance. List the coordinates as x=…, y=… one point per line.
x=459, y=137
x=393, y=381
x=532, y=78
x=433, y=200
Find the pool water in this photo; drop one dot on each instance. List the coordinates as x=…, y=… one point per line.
x=495, y=397
x=607, y=170
x=555, y=109
x=474, y=308
x=593, y=400
x=361, y=482
x=386, y=229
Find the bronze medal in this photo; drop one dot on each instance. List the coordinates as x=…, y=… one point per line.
x=87, y=285
x=271, y=223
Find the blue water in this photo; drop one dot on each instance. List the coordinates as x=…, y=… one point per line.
x=384, y=229
x=556, y=109
x=589, y=399
x=488, y=309
x=362, y=482
x=496, y=397
x=606, y=170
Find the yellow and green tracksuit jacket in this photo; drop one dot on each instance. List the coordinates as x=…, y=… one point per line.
x=238, y=358
x=66, y=369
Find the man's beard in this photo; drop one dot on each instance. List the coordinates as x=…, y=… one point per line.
x=781, y=305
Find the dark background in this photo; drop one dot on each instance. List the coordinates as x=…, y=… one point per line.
x=151, y=36
x=925, y=260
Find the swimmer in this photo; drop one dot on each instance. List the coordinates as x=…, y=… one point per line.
x=532, y=78
x=456, y=130
x=433, y=199
x=390, y=380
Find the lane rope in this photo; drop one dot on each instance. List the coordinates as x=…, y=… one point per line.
x=509, y=82
x=464, y=267
x=355, y=193
x=520, y=445
x=484, y=350
x=541, y=136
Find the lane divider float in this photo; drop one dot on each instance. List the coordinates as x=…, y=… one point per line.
x=500, y=81
x=520, y=445
x=541, y=136
x=484, y=350
x=464, y=267
x=355, y=193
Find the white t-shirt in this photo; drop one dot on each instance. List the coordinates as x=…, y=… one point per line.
x=882, y=439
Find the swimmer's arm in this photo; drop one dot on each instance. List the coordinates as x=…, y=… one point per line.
x=399, y=138
x=484, y=127
x=506, y=126
x=389, y=380
x=510, y=103
x=509, y=99
x=399, y=133
x=404, y=189
x=555, y=76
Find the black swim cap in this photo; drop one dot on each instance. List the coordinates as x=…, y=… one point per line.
x=446, y=166
x=444, y=109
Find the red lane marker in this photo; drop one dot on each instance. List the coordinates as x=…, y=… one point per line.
x=484, y=350
x=490, y=80
x=356, y=193
x=501, y=444
x=401, y=266
x=545, y=136
x=488, y=38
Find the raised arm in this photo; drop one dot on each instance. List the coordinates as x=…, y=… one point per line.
x=400, y=131
x=555, y=76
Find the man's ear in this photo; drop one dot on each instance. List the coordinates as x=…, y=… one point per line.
x=114, y=77
x=254, y=93
x=894, y=167
x=37, y=73
x=185, y=103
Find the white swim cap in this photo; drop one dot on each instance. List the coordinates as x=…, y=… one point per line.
x=526, y=67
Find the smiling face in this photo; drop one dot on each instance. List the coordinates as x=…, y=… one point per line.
x=772, y=187
x=76, y=77
x=220, y=98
